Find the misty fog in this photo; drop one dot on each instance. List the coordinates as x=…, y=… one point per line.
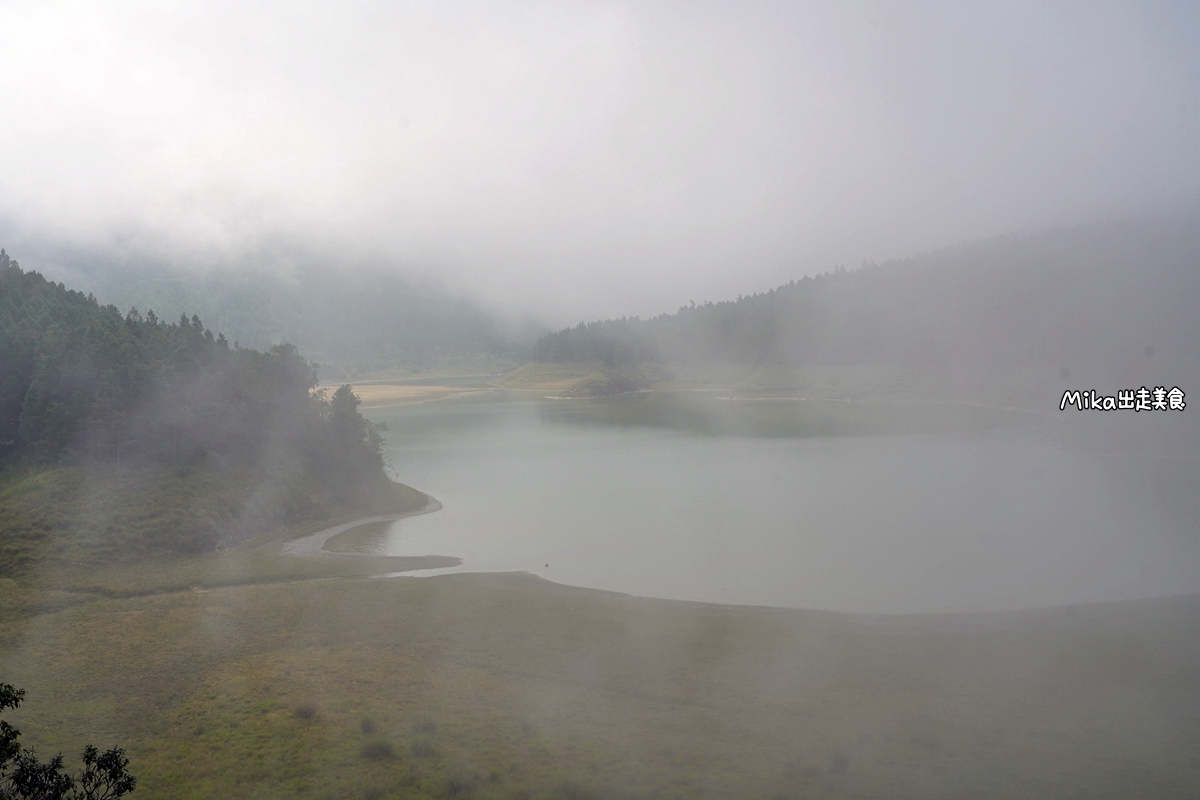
x=584, y=160
x=500, y=401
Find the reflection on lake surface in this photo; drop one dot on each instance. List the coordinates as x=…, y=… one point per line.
x=639, y=494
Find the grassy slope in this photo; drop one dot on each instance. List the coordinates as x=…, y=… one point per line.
x=544, y=378
x=581, y=379
x=1000, y=388
x=85, y=518
x=526, y=689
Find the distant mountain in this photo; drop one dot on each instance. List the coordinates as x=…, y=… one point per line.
x=1102, y=301
x=350, y=321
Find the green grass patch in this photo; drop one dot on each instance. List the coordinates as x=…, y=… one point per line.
x=582, y=379
x=87, y=518
x=536, y=376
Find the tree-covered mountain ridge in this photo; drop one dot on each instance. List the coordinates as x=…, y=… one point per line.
x=1096, y=300
x=353, y=320
x=127, y=425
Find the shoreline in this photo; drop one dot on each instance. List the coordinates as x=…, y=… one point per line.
x=314, y=543
x=390, y=395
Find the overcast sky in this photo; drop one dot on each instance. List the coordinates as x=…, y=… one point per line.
x=588, y=159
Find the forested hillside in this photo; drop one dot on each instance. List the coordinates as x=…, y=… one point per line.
x=224, y=439
x=350, y=322
x=1097, y=300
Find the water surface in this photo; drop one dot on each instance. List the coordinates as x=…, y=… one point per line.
x=586, y=493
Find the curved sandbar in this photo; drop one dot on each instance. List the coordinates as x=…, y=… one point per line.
x=314, y=544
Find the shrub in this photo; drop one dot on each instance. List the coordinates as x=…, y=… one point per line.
x=461, y=780
x=378, y=749
x=306, y=711
x=422, y=745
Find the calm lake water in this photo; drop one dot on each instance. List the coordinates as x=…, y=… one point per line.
x=701, y=499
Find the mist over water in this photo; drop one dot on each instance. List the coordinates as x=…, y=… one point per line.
x=884, y=524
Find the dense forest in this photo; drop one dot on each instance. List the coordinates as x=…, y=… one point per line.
x=350, y=321
x=85, y=388
x=1094, y=300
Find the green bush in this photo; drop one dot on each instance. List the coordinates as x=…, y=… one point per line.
x=422, y=745
x=461, y=780
x=378, y=750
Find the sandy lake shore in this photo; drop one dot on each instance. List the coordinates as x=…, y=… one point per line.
x=384, y=395
x=314, y=544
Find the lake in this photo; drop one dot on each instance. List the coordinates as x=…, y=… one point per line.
x=788, y=504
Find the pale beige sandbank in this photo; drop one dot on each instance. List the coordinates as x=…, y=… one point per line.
x=380, y=395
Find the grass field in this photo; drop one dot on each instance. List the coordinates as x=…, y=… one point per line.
x=548, y=378
x=89, y=517
x=506, y=686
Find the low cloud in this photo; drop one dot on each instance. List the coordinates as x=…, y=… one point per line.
x=589, y=158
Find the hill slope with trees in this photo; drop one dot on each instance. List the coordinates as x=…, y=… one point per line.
x=351, y=321
x=125, y=433
x=1102, y=302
